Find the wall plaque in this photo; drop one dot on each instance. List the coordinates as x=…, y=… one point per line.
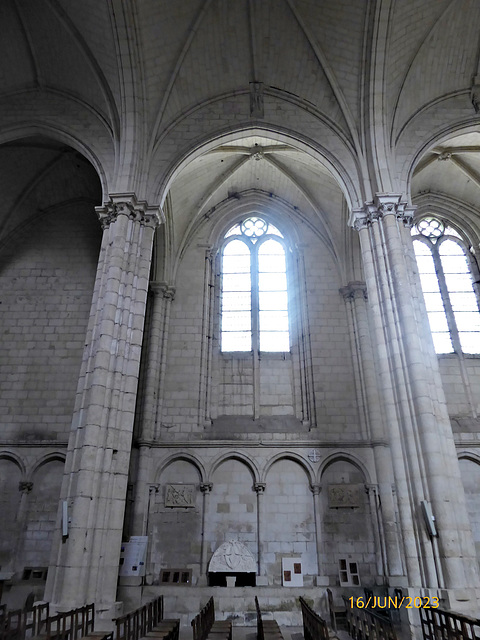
x=180, y=495
x=132, y=556
x=345, y=495
x=292, y=572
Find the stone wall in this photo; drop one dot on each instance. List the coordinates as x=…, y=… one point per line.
x=47, y=272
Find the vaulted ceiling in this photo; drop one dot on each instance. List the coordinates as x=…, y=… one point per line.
x=128, y=73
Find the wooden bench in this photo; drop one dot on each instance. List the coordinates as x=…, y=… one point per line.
x=365, y=624
x=23, y=623
x=205, y=626
x=338, y=614
x=267, y=629
x=75, y=624
x=314, y=627
x=147, y=622
x=38, y=624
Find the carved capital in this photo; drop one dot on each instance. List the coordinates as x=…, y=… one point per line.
x=315, y=489
x=162, y=289
x=385, y=204
x=25, y=486
x=153, y=488
x=359, y=219
x=354, y=290
x=388, y=204
x=126, y=204
x=259, y=487
x=371, y=489
x=206, y=487
x=211, y=253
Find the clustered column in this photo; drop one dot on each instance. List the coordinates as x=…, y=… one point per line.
x=162, y=296
x=85, y=568
x=413, y=407
x=355, y=294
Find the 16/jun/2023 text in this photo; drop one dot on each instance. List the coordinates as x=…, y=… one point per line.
x=394, y=602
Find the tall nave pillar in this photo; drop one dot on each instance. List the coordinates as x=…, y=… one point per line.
x=85, y=562
x=425, y=465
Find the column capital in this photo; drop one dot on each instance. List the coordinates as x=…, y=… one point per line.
x=211, y=252
x=162, y=289
x=259, y=487
x=316, y=489
x=354, y=290
x=24, y=486
x=206, y=487
x=127, y=204
x=153, y=488
x=384, y=204
x=371, y=488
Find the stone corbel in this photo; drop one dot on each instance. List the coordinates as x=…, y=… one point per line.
x=354, y=290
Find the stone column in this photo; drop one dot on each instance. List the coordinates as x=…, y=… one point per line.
x=151, y=491
x=206, y=412
x=423, y=452
x=259, y=487
x=317, y=513
x=17, y=562
x=84, y=566
x=162, y=295
x=205, y=488
x=377, y=529
x=355, y=294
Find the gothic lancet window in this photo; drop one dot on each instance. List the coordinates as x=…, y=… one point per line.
x=254, y=299
x=447, y=276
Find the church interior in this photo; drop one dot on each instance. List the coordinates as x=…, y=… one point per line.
x=240, y=303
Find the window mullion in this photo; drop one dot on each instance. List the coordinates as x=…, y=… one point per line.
x=255, y=301
x=452, y=325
